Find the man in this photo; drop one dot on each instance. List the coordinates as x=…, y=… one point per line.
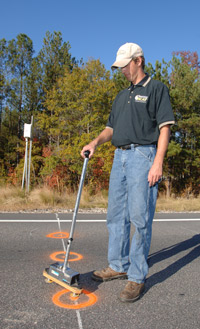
x=139, y=127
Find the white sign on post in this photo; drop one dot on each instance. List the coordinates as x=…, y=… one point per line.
x=27, y=164
x=27, y=130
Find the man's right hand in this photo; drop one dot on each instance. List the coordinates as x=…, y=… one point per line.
x=90, y=147
x=105, y=136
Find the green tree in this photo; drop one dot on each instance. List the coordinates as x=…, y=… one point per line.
x=3, y=46
x=120, y=81
x=185, y=97
x=80, y=104
x=54, y=58
x=19, y=58
x=15, y=61
x=33, y=91
x=8, y=142
x=159, y=72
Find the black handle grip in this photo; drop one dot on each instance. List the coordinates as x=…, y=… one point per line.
x=87, y=153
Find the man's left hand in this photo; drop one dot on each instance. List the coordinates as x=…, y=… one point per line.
x=155, y=174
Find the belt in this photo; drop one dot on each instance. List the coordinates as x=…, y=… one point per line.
x=127, y=147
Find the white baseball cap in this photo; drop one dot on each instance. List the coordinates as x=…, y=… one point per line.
x=126, y=53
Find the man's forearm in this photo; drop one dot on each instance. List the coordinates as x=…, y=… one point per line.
x=162, y=146
x=156, y=170
x=105, y=136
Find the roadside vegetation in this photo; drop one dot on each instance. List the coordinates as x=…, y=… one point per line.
x=44, y=199
x=70, y=102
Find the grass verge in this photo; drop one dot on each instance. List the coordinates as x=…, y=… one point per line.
x=13, y=199
x=43, y=199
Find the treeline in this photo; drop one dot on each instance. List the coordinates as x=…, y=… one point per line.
x=70, y=102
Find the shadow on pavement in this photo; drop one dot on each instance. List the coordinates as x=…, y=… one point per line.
x=87, y=283
x=178, y=264
x=194, y=242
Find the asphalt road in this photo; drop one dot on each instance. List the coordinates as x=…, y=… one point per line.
x=172, y=298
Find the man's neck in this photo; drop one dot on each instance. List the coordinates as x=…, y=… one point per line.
x=139, y=77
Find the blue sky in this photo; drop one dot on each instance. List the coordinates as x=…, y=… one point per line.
x=96, y=29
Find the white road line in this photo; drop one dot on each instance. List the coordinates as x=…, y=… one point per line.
x=79, y=319
x=176, y=220
x=50, y=220
x=89, y=220
x=63, y=243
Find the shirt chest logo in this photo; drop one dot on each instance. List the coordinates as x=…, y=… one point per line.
x=141, y=99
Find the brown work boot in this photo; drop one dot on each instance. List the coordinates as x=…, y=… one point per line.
x=108, y=274
x=132, y=292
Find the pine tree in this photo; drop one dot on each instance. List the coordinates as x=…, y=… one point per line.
x=185, y=96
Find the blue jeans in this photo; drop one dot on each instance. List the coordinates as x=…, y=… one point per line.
x=131, y=200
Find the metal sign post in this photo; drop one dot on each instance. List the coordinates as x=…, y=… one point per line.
x=27, y=159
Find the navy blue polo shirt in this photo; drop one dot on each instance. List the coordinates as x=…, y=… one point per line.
x=139, y=112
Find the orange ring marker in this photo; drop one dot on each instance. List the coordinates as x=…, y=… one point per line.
x=62, y=254
x=92, y=299
x=58, y=235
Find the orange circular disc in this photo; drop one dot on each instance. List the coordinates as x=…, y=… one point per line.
x=91, y=299
x=55, y=256
x=58, y=235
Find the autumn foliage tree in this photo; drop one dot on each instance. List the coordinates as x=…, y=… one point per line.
x=185, y=145
x=80, y=104
x=71, y=101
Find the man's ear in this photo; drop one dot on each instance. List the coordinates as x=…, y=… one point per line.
x=139, y=61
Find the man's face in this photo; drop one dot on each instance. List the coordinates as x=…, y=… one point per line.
x=130, y=71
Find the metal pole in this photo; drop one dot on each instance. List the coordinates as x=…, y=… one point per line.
x=29, y=164
x=23, y=177
x=30, y=149
x=75, y=212
x=26, y=162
